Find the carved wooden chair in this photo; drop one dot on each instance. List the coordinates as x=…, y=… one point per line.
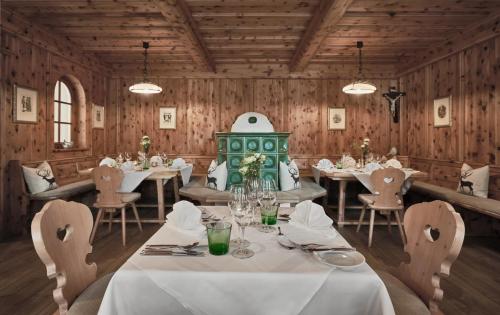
x=387, y=199
x=108, y=181
x=435, y=236
x=83, y=172
x=60, y=233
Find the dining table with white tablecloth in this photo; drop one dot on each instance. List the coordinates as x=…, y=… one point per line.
x=275, y=281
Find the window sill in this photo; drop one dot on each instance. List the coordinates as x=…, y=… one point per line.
x=71, y=150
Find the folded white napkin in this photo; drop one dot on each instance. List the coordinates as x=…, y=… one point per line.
x=348, y=162
x=127, y=166
x=393, y=163
x=310, y=215
x=325, y=164
x=372, y=166
x=108, y=162
x=156, y=159
x=186, y=218
x=178, y=163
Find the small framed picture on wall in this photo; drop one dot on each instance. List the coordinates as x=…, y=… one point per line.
x=336, y=118
x=25, y=103
x=442, y=112
x=168, y=119
x=97, y=116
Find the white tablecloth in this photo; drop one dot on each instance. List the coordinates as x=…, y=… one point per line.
x=132, y=179
x=274, y=281
x=364, y=176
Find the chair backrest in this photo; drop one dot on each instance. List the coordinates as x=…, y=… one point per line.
x=108, y=181
x=435, y=234
x=387, y=183
x=60, y=233
x=83, y=171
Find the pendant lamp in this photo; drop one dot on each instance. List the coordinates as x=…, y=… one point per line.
x=146, y=86
x=359, y=86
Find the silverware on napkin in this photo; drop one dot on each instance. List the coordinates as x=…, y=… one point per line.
x=163, y=252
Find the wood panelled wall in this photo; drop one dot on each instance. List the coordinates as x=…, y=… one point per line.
x=34, y=59
x=205, y=106
x=472, y=78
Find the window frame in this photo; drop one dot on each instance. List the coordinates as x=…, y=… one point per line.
x=57, y=102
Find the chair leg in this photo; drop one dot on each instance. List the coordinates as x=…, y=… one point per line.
x=123, y=226
x=400, y=226
x=372, y=221
x=361, y=217
x=136, y=214
x=110, y=221
x=96, y=225
x=389, y=215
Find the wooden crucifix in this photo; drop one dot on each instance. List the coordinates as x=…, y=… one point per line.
x=393, y=97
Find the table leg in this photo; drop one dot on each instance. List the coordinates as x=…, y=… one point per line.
x=327, y=188
x=176, y=188
x=341, y=217
x=161, y=200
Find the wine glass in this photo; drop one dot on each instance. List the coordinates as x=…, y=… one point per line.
x=267, y=201
x=238, y=199
x=164, y=158
x=128, y=157
x=254, y=191
x=243, y=216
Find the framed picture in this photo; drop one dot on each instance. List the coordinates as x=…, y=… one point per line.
x=168, y=117
x=336, y=118
x=442, y=112
x=25, y=105
x=98, y=116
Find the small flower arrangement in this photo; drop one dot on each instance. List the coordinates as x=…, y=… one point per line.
x=145, y=144
x=365, y=147
x=250, y=166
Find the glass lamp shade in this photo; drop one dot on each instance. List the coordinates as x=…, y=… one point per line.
x=145, y=88
x=359, y=87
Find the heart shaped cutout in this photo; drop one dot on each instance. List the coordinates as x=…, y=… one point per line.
x=64, y=233
x=388, y=180
x=106, y=178
x=432, y=234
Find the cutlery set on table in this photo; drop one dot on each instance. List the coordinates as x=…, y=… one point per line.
x=172, y=250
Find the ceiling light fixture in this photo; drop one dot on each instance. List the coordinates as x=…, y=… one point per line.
x=146, y=86
x=359, y=86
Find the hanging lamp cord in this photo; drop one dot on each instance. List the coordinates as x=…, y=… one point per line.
x=360, y=72
x=146, y=46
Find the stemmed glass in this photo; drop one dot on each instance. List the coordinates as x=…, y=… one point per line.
x=243, y=216
x=238, y=200
x=254, y=191
x=267, y=200
x=164, y=158
x=128, y=157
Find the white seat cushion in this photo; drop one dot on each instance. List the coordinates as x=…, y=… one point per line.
x=66, y=191
x=404, y=300
x=130, y=197
x=89, y=301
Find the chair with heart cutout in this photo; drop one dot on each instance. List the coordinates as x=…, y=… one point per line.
x=387, y=199
x=435, y=236
x=60, y=233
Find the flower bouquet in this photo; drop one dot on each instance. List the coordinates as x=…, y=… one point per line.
x=145, y=144
x=250, y=166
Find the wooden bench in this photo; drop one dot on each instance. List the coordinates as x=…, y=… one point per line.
x=196, y=190
x=485, y=206
x=23, y=205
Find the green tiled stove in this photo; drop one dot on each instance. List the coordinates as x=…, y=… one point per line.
x=234, y=146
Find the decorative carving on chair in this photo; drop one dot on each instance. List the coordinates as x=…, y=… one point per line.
x=435, y=233
x=108, y=181
x=61, y=232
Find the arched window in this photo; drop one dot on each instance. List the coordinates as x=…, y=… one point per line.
x=63, y=112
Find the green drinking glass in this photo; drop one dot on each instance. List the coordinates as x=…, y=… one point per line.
x=268, y=216
x=219, y=235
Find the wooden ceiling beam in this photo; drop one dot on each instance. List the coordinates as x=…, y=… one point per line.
x=327, y=15
x=476, y=33
x=178, y=12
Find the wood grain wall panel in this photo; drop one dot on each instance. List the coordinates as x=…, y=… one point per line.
x=270, y=99
x=472, y=78
x=26, y=62
x=303, y=116
x=236, y=98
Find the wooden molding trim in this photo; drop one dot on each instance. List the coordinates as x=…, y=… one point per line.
x=178, y=13
x=327, y=15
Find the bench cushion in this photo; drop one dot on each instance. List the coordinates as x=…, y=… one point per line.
x=89, y=301
x=404, y=300
x=65, y=191
x=196, y=190
x=486, y=206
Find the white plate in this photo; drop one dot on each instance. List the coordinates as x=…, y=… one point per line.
x=341, y=259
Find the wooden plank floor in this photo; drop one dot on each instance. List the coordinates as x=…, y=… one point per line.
x=473, y=288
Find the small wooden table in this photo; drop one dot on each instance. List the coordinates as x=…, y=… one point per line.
x=343, y=178
x=159, y=176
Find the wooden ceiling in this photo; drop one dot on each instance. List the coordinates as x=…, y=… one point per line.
x=293, y=33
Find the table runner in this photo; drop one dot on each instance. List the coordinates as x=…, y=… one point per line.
x=274, y=281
